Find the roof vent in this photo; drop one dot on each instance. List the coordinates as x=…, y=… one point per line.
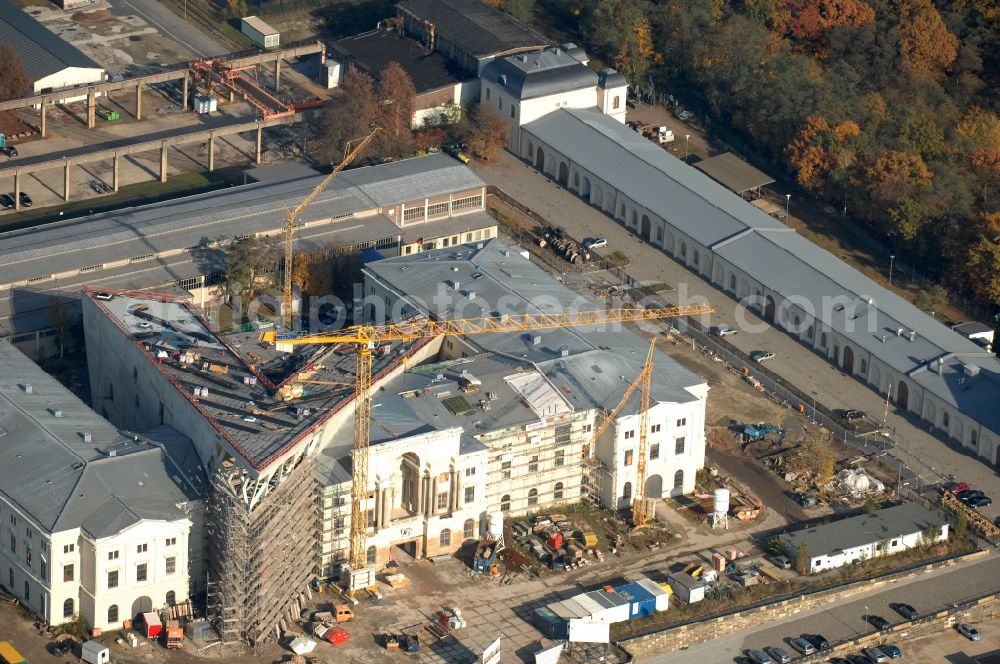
x=112, y=452
x=564, y=351
x=28, y=389
x=913, y=335
x=970, y=370
x=472, y=294
x=87, y=437
x=454, y=269
x=536, y=339
x=882, y=338
x=56, y=412
x=899, y=331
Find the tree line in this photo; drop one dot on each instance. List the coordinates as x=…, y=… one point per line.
x=886, y=108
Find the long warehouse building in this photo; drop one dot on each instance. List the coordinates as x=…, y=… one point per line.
x=398, y=208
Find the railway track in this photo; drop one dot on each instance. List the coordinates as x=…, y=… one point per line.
x=203, y=19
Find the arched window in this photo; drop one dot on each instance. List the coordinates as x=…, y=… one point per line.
x=822, y=339
x=533, y=497
x=469, y=530
x=557, y=491
x=171, y=598
x=576, y=180
x=372, y=555
x=444, y=539
x=679, y=479
x=627, y=491
x=113, y=613
x=732, y=282
x=488, y=93
x=684, y=249
x=695, y=258
x=864, y=365
x=944, y=419
x=622, y=215
x=68, y=608
x=973, y=438
x=505, y=503
x=809, y=332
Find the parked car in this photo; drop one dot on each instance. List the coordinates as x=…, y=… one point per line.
x=721, y=331
x=878, y=622
x=859, y=659
x=979, y=501
x=818, y=641
x=457, y=153
x=905, y=610
x=968, y=631
x=758, y=657
x=851, y=414
x=24, y=198
x=957, y=487
x=61, y=648
x=966, y=496
x=802, y=646
x=6, y=202
x=761, y=355
x=891, y=651
x=596, y=243
x=874, y=654
x=779, y=655
x=996, y=522
x=9, y=150
x=782, y=562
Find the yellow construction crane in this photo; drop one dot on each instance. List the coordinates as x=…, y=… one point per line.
x=644, y=379
x=351, y=155
x=366, y=337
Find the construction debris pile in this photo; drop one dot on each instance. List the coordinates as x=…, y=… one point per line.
x=563, y=245
x=857, y=484
x=556, y=543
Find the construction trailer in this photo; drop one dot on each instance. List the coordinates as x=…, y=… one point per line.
x=260, y=32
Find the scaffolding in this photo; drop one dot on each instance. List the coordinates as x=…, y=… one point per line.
x=262, y=559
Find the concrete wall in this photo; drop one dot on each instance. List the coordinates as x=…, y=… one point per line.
x=684, y=636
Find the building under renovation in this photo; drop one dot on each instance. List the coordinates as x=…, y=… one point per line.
x=460, y=427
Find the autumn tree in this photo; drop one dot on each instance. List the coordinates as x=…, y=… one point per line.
x=896, y=175
x=819, y=148
x=802, y=559
x=14, y=81
x=487, y=132
x=978, y=128
x=621, y=32
x=812, y=19
x=396, y=99
x=925, y=43
x=983, y=264
x=352, y=115
x=249, y=270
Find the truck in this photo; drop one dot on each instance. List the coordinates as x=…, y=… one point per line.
x=330, y=634
x=174, y=635
x=10, y=655
x=95, y=652
x=339, y=613
x=151, y=625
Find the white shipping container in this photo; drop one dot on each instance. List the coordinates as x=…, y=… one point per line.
x=205, y=104
x=260, y=32
x=589, y=631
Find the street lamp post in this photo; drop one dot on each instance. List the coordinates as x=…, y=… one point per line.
x=788, y=198
x=866, y=621
x=687, y=142
x=892, y=259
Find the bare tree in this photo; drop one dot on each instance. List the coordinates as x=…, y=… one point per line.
x=14, y=81
x=350, y=117
x=487, y=132
x=397, y=98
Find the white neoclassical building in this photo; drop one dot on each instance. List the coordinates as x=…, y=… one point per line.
x=95, y=523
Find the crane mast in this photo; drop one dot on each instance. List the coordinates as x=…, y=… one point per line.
x=640, y=505
x=352, y=154
x=366, y=337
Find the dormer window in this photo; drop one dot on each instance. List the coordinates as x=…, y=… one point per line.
x=502, y=80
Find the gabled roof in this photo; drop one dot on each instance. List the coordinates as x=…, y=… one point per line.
x=852, y=532
x=42, y=52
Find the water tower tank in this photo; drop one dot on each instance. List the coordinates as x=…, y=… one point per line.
x=721, y=501
x=496, y=523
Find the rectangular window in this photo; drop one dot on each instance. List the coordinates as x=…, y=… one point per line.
x=68, y=573
x=470, y=494
x=140, y=572
x=13, y=543
x=469, y=472
x=44, y=569
x=113, y=555
x=505, y=466
x=654, y=451
x=560, y=458
x=630, y=434
x=654, y=429
x=679, y=445
x=171, y=541
x=682, y=422
x=437, y=209
x=442, y=500
x=27, y=556
x=587, y=428
x=616, y=102
x=533, y=465
x=171, y=565
x=413, y=213
x=142, y=548
x=513, y=110
x=467, y=203
x=628, y=457
x=69, y=548
x=564, y=434
x=113, y=579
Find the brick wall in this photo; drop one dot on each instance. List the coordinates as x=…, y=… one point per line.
x=685, y=636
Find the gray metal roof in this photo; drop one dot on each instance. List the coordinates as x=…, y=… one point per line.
x=477, y=28
x=970, y=383
x=42, y=52
x=611, y=78
x=51, y=472
x=194, y=221
x=831, y=538
x=649, y=175
x=532, y=75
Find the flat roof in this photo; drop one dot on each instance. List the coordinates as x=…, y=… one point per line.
x=42, y=52
x=67, y=467
x=474, y=26
x=429, y=70
x=733, y=173
x=260, y=26
x=168, y=327
x=862, y=529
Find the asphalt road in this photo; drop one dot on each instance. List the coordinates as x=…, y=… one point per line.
x=170, y=25
x=927, y=456
x=845, y=619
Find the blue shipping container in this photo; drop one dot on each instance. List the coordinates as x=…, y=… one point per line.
x=641, y=602
x=551, y=625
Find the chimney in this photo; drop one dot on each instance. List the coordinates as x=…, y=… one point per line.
x=912, y=335
x=86, y=436
x=899, y=331
x=56, y=412
x=536, y=340
x=27, y=388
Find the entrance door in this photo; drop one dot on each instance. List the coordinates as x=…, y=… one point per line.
x=848, y=360
x=408, y=548
x=902, y=395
